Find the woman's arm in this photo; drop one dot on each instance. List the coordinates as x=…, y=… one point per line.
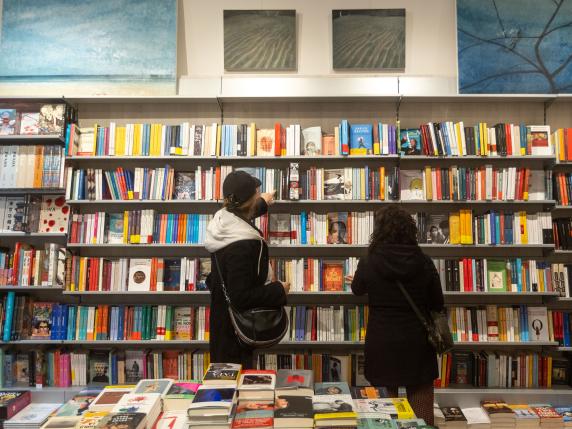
x=241, y=287
x=359, y=287
x=436, y=301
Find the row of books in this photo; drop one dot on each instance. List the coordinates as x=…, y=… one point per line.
x=333, y=323
x=138, y=227
x=32, y=167
x=36, y=119
x=502, y=323
x=491, y=228
x=562, y=139
x=34, y=213
x=136, y=274
x=438, y=139
x=502, y=370
x=503, y=275
x=562, y=230
x=563, y=188
x=475, y=184
x=229, y=140
x=25, y=318
x=26, y=265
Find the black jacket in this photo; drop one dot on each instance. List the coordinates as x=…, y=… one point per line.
x=397, y=352
x=245, y=283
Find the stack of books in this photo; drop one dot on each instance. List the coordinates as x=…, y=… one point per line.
x=500, y=414
x=215, y=401
x=293, y=399
x=549, y=418
x=454, y=418
x=180, y=395
x=333, y=406
x=31, y=417
x=255, y=400
x=477, y=418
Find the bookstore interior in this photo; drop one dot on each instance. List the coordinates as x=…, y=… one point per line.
x=115, y=144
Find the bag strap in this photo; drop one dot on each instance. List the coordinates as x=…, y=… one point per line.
x=416, y=310
x=222, y=281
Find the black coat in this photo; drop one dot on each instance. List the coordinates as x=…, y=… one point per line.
x=245, y=284
x=397, y=352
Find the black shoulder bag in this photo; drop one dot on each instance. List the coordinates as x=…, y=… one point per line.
x=256, y=327
x=437, y=326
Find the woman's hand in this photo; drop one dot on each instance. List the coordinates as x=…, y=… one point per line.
x=286, y=287
x=268, y=197
x=349, y=279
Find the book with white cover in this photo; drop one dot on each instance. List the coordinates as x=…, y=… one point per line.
x=138, y=403
x=173, y=420
x=33, y=414
x=157, y=385
x=476, y=416
x=139, y=275
x=538, y=323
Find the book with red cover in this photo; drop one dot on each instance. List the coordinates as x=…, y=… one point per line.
x=12, y=402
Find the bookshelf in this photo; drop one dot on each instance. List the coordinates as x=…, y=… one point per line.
x=241, y=102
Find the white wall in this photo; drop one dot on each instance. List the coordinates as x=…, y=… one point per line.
x=430, y=34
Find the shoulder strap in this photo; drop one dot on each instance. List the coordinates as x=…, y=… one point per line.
x=416, y=310
x=222, y=281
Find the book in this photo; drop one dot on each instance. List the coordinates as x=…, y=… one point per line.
x=361, y=139
x=412, y=185
x=99, y=367
x=115, y=228
x=369, y=392
x=134, y=366
x=34, y=415
x=160, y=386
x=312, y=141
x=476, y=417
x=139, y=275
x=90, y=419
x=331, y=388
x=438, y=229
x=68, y=422
x=212, y=402
x=279, y=229
x=257, y=385
x=538, y=139
x=265, y=143
x=146, y=403
x=374, y=423
x=29, y=123
x=54, y=214
x=498, y=411
x=293, y=411
x=41, y=320
x=337, y=228
x=52, y=119
x=12, y=402
x=254, y=415
x=538, y=323
x=77, y=406
x=124, y=420
x=333, y=275
x=173, y=420
x=334, y=410
x=185, y=186
x=180, y=395
x=496, y=276
x=410, y=142
x=335, y=184
x=294, y=382
x=387, y=408
x=7, y=122
x=222, y=374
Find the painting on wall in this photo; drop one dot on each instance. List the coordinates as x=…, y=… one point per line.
x=514, y=46
x=90, y=46
x=260, y=40
x=368, y=39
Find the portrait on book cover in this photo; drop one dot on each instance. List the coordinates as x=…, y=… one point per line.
x=85, y=47
x=260, y=40
x=368, y=39
x=514, y=46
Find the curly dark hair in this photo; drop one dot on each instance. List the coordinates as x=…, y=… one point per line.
x=393, y=225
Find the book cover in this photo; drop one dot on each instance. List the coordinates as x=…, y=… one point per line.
x=538, y=323
x=333, y=407
x=7, y=122
x=336, y=186
x=183, y=322
x=52, y=119
x=293, y=407
x=279, y=228
x=546, y=412
x=123, y=420
x=410, y=423
x=394, y=408
x=172, y=275
x=54, y=214
x=453, y=414
x=41, y=320
x=566, y=413
x=257, y=380
x=183, y=389
x=369, y=392
x=134, y=365
x=12, y=402
x=294, y=379
x=331, y=388
x=34, y=414
x=538, y=140
x=222, y=373
x=67, y=422
x=412, y=185
x=77, y=406
x=523, y=412
x=376, y=423
x=185, y=185
x=265, y=142
x=29, y=123
x=496, y=275
x=410, y=141
x=361, y=139
x=204, y=271
x=115, y=228
x=161, y=386
x=213, y=397
x=497, y=409
x=337, y=228
x=312, y=141
x=253, y=415
x=139, y=275
x=90, y=419
x=137, y=403
x=333, y=275
x=438, y=229
x=173, y=420
x=108, y=398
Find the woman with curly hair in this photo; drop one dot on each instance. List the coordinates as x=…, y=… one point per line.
x=397, y=352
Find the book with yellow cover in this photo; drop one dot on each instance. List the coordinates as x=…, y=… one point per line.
x=387, y=408
x=334, y=410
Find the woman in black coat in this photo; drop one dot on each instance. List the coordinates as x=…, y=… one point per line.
x=397, y=352
x=242, y=256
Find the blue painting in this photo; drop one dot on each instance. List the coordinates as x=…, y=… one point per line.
x=514, y=46
x=127, y=42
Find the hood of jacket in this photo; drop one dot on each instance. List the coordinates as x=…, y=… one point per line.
x=226, y=228
x=398, y=261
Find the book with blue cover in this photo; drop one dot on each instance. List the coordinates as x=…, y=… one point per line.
x=361, y=139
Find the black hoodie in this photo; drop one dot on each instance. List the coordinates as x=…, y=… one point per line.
x=397, y=351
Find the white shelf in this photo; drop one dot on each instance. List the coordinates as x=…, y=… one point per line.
x=34, y=191
x=19, y=139
x=31, y=289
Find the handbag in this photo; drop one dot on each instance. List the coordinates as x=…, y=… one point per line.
x=259, y=327
x=437, y=326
